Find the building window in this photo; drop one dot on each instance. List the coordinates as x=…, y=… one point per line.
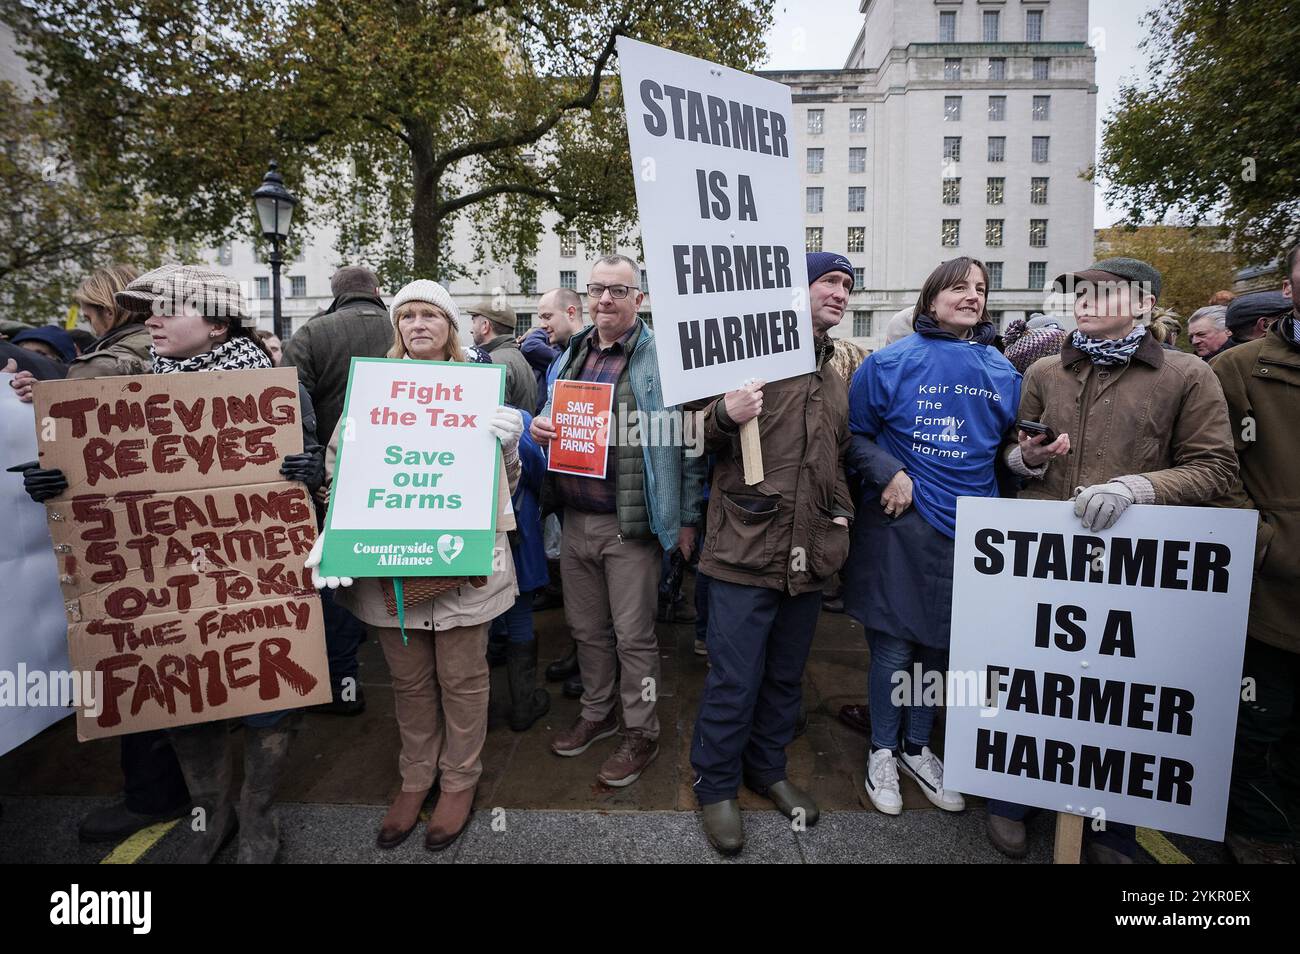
x=858, y=159
x=1037, y=275
x=995, y=275
x=1033, y=26
x=528, y=283
x=225, y=254
x=297, y=286
x=952, y=68
x=859, y=278
x=857, y=198
x=993, y=232
x=997, y=109
x=947, y=26
x=951, y=108
x=952, y=148
x=816, y=158
x=862, y=324
x=995, y=190
x=647, y=317
x=1039, y=153
x=812, y=239
x=952, y=190
x=997, y=68
x=815, y=121
x=263, y=286
x=1042, y=67
x=815, y=196
x=568, y=245
x=992, y=22
x=857, y=238
x=645, y=280
x=569, y=279
x=997, y=148
x=1042, y=108
x=950, y=235
x=523, y=322
x=1038, y=190
x=857, y=120
x=1038, y=233
x=996, y=318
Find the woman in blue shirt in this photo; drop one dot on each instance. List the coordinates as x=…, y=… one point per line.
x=928, y=415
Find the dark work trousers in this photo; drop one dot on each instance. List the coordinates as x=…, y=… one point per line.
x=154, y=783
x=1264, y=800
x=758, y=645
x=1122, y=838
x=344, y=634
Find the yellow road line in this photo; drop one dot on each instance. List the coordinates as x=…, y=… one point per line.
x=133, y=849
x=1160, y=848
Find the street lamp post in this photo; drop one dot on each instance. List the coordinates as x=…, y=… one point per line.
x=275, y=210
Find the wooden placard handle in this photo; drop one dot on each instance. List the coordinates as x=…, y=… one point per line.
x=751, y=452
x=1069, y=839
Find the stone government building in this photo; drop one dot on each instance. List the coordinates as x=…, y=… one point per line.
x=955, y=127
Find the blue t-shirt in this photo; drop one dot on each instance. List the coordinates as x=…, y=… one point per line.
x=942, y=407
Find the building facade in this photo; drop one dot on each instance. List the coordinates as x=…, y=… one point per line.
x=955, y=127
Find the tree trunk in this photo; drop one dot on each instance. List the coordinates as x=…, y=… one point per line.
x=425, y=218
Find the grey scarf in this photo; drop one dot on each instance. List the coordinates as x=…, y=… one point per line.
x=1107, y=353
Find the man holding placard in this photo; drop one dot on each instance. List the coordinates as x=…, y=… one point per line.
x=1149, y=426
x=615, y=525
x=771, y=549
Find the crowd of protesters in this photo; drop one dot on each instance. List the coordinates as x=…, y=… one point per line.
x=852, y=515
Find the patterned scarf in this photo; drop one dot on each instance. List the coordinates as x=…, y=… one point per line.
x=1107, y=353
x=233, y=354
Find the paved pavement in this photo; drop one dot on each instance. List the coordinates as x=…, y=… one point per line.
x=344, y=771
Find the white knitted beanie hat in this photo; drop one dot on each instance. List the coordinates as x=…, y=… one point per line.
x=422, y=289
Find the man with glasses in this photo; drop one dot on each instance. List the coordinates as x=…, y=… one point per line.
x=615, y=527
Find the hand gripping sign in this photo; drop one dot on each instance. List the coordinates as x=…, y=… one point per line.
x=717, y=188
x=415, y=487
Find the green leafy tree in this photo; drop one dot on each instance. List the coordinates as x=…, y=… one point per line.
x=393, y=119
x=56, y=230
x=1210, y=133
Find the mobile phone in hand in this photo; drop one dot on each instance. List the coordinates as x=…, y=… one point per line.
x=1033, y=427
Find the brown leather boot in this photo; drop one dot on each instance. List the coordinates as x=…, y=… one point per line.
x=401, y=819
x=449, y=819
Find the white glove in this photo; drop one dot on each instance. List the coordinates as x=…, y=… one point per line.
x=506, y=425
x=1100, y=505
x=313, y=561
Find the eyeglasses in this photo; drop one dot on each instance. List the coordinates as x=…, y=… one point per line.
x=617, y=292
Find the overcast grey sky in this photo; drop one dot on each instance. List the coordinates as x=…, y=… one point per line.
x=817, y=34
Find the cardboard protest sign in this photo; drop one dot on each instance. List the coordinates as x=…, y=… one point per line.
x=580, y=412
x=1099, y=673
x=181, y=547
x=721, y=222
x=415, y=486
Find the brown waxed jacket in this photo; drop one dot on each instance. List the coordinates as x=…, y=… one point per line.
x=1261, y=381
x=1161, y=416
x=779, y=533
x=124, y=350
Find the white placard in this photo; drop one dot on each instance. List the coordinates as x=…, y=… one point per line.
x=718, y=197
x=1116, y=656
x=34, y=629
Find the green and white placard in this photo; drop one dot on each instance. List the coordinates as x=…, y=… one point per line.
x=415, y=483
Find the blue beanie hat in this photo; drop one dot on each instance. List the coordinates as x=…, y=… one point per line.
x=819, y=263
x=56, y=338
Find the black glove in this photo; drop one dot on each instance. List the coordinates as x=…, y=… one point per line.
x=306, y=467
x=41, y=484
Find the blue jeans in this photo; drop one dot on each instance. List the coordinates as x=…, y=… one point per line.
x=516, y=623
x=702, y=581
x=344, y=634
x=890, y=655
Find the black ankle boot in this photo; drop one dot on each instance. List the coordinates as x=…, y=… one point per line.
x=528, y=701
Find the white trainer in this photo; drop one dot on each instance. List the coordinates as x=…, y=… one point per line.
x=882, y=782
x=927, y=771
